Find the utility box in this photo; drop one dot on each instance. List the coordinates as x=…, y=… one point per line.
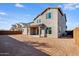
x=76, y=35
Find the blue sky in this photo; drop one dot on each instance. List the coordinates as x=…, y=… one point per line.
x=11, y=13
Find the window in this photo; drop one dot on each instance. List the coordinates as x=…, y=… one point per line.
x=39, y=21
x=48, y=16
x=59, y=29
x=49, y=30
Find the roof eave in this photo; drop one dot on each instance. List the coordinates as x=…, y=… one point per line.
x=47, y=9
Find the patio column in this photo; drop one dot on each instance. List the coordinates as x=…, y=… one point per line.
x=36, y=31
x=28, y=30
x=39, y=31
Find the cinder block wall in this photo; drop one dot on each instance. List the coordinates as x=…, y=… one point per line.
x=76, y=35
x=10, y=32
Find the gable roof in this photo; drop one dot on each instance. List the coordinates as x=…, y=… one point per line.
x=59, y=9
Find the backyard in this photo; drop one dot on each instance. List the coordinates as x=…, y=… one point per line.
x=22, y=45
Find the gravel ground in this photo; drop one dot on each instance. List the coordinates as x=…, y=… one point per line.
x=12, y=47
x=21, y=45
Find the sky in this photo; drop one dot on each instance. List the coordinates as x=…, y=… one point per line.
x=11, y=13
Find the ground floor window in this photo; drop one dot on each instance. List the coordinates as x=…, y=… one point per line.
x=49, y=30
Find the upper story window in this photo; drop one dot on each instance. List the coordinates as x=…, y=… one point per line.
x=48, y=15
x=39, y=21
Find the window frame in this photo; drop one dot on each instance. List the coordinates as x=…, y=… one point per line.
x=48, y=15
x=39, y=21
x=49, y=30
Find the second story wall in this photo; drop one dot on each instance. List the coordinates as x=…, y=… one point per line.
x=47, y=21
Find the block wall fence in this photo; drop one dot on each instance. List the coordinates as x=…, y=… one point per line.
x=10, y=32
x=76, y=35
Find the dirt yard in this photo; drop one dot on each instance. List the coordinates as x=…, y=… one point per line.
x=21, y=45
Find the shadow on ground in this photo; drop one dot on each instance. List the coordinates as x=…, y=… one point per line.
x=38, y=44
x=12, y=47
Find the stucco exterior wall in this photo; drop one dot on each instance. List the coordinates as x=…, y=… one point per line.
x=50, y=22
x=61, y=24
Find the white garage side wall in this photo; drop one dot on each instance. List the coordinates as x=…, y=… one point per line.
x=25, y=31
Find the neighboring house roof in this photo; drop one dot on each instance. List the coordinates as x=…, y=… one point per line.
x=48, y=9
x=21, y=24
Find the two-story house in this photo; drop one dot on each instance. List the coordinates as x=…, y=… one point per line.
x=50, y=23
x=18, y=26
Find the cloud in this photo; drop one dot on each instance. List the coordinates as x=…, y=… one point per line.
x=59, y=6
x=71, y=6
x=19, y=5
x=77, y=6
x=3, y=13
